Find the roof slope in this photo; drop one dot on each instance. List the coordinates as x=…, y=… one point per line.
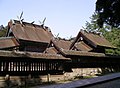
x=51, y=50
x=81, y=53
x=63, y=47
x=61, y=43
x=8, y=43
x=82, y=46
x=96, y=39
x=93, y=39
x=32, y=55
x=30, y=32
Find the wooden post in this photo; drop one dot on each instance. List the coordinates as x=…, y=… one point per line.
x=29, y=66
x=7, y=80
x=25, y=81
x=48, y=78
x=0, y=66
x=6, y=66
x=64, y=75
x=81, y=71
x=47, y=68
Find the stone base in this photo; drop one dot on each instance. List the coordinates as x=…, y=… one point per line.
x=23, y=80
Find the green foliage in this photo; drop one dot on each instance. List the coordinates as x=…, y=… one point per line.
x=92, y=26
x=110, y=33
x=108, y=11
x=114, y=37
x=3, y=31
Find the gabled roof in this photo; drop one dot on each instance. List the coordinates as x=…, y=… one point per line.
x=82, y=46
x=51, y=50
x=30, y=32
x=93, y=39
x=8, y=42
x=62, y=47
x=62, y=43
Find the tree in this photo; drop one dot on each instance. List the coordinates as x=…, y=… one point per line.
x=112, y=34
x=108, y=11
x=114, y=37
x=3, y=31
x=93, y=26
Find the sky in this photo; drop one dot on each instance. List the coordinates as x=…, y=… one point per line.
x=65, y=17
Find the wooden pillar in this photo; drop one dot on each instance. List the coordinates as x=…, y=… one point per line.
x=29, y=66
x=48, y=77
x=47, y=69
x=41, y=66
x=24, y=66
x=0, y=65
x=3, y=66
x=37, y=66
x=18, y=66
x=6, y=66
x=64, y=75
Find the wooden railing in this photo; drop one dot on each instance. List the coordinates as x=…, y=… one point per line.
x=26, y=66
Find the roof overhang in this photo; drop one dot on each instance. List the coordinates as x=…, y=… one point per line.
x=32, y=55
x=29, y=42
x=8, y=43
x=81, y=53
